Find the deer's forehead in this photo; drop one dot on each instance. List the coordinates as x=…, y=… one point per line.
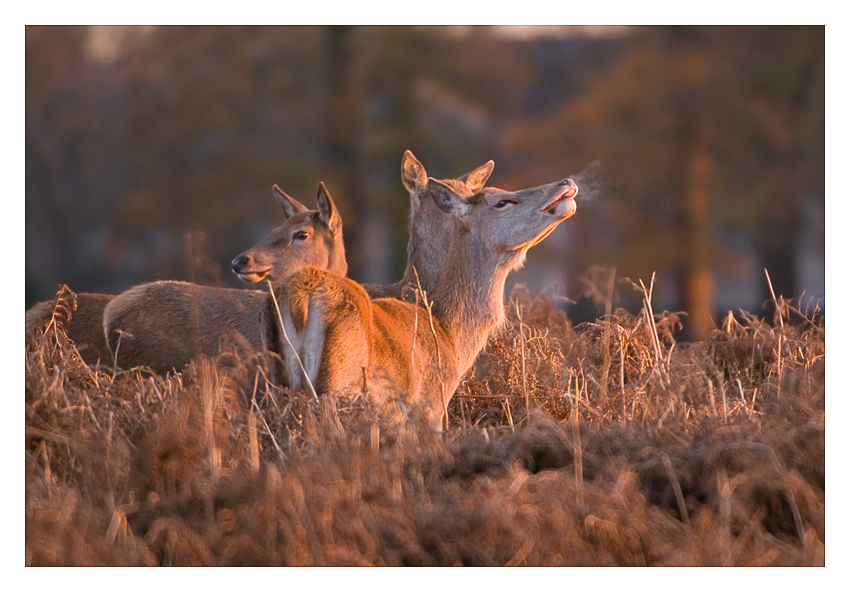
x=310, y=218
x=302, y=221
x=490, y=195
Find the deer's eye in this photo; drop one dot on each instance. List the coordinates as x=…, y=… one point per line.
x=300, y=235
x=504, y=202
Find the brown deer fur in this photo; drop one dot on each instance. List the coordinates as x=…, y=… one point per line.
x=411, y=357
x=165, y=324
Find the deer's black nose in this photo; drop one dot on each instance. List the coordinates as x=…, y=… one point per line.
x=239, y=263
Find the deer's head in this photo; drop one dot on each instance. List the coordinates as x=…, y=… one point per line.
x=306, y=238
x=507, y=223
x=430, y=230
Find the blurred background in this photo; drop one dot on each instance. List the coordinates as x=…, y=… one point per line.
x=699, y=151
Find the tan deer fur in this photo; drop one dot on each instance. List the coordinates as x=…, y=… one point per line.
x=412, y=357
x=165, y=324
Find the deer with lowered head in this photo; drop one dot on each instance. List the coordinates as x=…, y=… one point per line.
x=165, y=324
x=333, y=338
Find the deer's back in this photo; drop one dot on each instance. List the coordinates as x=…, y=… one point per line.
x=165, y=324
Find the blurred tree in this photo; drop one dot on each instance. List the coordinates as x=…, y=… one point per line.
x=703, y=128
x=340, y=128
x=371, y=71
x=186, y=128
x=57, y=170
x=710, y=130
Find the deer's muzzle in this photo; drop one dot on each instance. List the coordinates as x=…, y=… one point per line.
x=570, y=191
x=240, y=267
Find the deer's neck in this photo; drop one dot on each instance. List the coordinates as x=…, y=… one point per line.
x=337, y=263
x=468, y=298
x=426, y=256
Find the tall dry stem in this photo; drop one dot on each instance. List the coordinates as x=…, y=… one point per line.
x=606, y=338
x=577, y=453
x=659, y=364
x=289, y=343
x=522, y=355
x=778, y=341
x=253, y=441
x=428, y=305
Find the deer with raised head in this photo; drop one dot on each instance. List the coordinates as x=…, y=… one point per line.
x=332, y=336
x=429, y=230
x=165, y=324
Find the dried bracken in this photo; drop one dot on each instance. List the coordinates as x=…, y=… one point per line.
x=602, y=444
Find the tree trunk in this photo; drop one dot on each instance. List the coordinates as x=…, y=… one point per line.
x=341, y=146
x=699, y=276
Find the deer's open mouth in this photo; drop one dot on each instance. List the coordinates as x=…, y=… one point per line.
x=569, y=193
x=252, y=277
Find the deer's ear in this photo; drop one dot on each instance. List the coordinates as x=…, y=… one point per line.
x=289, y=205
x=475, y=179
x=446, y=198
x=327, y=210
x=413, y=174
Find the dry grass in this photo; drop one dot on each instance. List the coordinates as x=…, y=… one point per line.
x=602, y=444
